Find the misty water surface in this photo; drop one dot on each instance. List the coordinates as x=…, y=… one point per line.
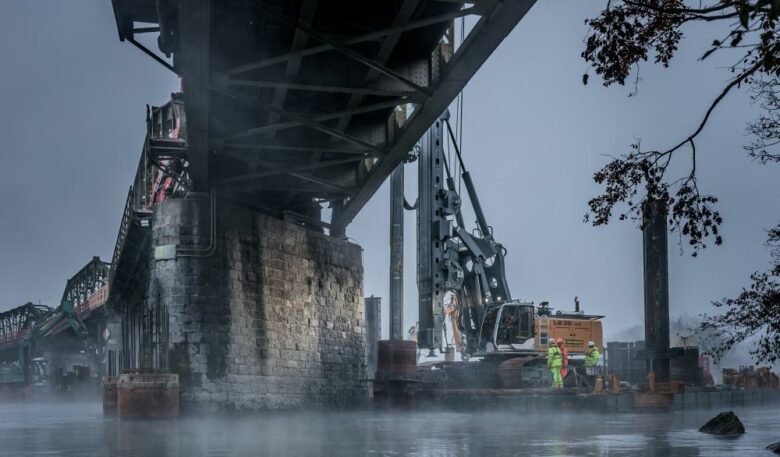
x=78, y=429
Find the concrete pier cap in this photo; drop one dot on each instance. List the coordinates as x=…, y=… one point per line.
x=253, y=312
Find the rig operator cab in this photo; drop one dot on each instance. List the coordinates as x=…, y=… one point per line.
x=507, y=327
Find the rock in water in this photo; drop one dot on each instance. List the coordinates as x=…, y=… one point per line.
x=724, y=424
x=774, y=447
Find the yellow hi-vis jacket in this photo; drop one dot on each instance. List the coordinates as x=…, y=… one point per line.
x=592, y=357
x=554, y=357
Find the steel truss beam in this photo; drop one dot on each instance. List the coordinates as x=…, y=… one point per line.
x=297, y=187
x=86, y=282
x=14, y=322
x=483, y=39
x=320, y=118
x=358, y=57
x=222, y=78
x=256, y=101
x=386, y=48
x=330, y=149
x=277, y=169
x=359, y=39
x=293, y=65
x=151, y=54
x=431, y=96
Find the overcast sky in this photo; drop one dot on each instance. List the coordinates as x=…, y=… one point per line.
x=72, y=103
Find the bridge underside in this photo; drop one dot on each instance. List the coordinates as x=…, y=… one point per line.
x=287, y=107
x=292, y=105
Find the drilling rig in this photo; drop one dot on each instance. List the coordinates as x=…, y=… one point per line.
x=469, y=266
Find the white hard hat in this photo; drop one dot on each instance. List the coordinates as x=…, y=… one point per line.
x=591, y=343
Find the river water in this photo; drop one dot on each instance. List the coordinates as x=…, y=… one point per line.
x=79, y=429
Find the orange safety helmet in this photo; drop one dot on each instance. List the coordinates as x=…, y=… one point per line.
x=560, y=341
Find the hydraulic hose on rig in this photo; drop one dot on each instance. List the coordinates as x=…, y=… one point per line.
x=481, y=221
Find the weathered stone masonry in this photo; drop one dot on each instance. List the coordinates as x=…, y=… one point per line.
x=272, y=319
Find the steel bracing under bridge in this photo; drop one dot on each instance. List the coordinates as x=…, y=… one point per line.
x=294, y=104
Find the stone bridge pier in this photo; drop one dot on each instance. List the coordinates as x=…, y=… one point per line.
x=252, y=311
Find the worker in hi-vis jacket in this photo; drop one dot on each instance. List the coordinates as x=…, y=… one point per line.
x=554, y=362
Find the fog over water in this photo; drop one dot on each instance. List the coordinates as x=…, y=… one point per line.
x=77, y=429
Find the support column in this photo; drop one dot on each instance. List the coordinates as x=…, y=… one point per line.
x=656, y=272
x=113, y=344
x=336, y=230
x=397, y=253
x=373, y=331
x=433, y=230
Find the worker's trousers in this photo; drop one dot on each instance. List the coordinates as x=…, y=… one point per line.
x=556, y=376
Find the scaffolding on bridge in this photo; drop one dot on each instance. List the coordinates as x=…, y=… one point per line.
x=161, y=174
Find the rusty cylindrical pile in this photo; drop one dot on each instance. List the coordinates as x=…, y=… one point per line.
x=396, y=359
x=147, y=395
x=109, y=396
